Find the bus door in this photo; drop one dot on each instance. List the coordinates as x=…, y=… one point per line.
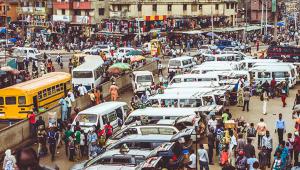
x=35, y=103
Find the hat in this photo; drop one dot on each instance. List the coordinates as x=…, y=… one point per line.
x=296, y=133
x=113, y=83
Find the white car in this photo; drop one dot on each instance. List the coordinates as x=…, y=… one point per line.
x=31, y=53
x=96, y=49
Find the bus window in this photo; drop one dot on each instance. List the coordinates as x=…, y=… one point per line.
x=40, y=95
x=22, y=100
x=1, y=101
x=53, y=89
x=45, y=93
x=61, y=87
x=49, y=91
x=57, y=88
x=10, y=100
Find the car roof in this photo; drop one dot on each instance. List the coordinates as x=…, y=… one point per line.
x=146, y=138
x=142, y=72
x=276, y=68
x=91, y=62
x=132, y=152
x=189, y=75
x=100, y=108
x=181, y=58
x=153, y=111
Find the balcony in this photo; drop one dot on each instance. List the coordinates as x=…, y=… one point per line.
x=62, y=5
x=82, y=5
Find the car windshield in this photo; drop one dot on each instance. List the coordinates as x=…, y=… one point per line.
x=175, y=63
x=87, y=118
x=144, y=78
x=82, y=74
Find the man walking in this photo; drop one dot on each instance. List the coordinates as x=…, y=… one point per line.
x=113, y=90
x=267, y=142
x=211, y=142
x=69, y=105
x=203, y=158
x=261, y=131
x=52, y=138
x=280, y=128
x=246, y=99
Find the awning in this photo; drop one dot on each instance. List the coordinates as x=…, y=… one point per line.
x=155, y=18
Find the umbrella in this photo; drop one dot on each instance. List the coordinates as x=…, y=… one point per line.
x=281, y=24
x=3, y=30
x=211, y=34
x=134, y=52
x=120, y=66
x=137, y=58
x=6, y=68
x=13, y=40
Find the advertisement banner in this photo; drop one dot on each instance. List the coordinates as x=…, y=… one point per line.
x=274, y=5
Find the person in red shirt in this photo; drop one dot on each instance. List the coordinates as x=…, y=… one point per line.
x=108, y=130
x=273, y=87
x=31, y=117
x=296, y=147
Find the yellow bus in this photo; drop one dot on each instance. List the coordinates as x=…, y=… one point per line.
x=41, y=94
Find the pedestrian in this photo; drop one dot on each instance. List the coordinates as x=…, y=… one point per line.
x=267, y=142
x=67, y=135
x=251, y=161
x=241, y=161
x=241, y=142
x=31, y=117
x=297, y=99
x=82, y=144
x=240, y=96
x=71, y=147
x=261, y=129
x=82, y=90
x=193, y=160
x=265, y=99
x=97, y=94
x=203, y=158
x=224, y=157
x=277, y=164
x=64, y=109
x=42, y=140
x=108, y=130
x=249, y=149
x=290, y=141
x=160, y=68
x=211, y=142
x=251, y=131
x=69, y=105
x=219, y=138
x=257, y=45
x=263, y=158
x=232, y=148
x=296, y=147
x=52, y=139
x=280, y=128
x=113, y=90
x=273, y=87
x=212, y=123
x=92, y=98
x=9, y=162
x=283, y=94
x=40, y=122
x=247, y=96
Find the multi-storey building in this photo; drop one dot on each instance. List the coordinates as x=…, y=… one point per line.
x=80, y=11
x=173, y=13
x=36, y=13
x=10, y=8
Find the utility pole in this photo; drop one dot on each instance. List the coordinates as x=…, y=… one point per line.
x=6, y=30
x=212, y=21
x=262, y=17
x=275, y=21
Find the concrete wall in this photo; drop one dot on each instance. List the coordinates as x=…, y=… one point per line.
x=17, y=135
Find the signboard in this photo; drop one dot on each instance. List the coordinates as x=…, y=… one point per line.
x=63, y=18
x=274, y=5
x=82, y=19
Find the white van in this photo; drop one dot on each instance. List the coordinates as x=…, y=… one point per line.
x=100, y=114
x=30, y=53
x=223, y=57
x=215, y=66
x=281, y=73
x=89, y=73
x=181, y=64
x=152, y=113
x=141, y=80
x=249, y=63
x=194, y=78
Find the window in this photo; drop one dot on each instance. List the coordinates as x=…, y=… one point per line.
x=61, y=87
x=40, y=95
x=119, y=7
x=121, y=160
x=53, y=90
x=227, y=6
x=82, y=74
x=232, y=5
x=45, y=93
x=184, y=7
x=217, y=7
x=22, y=100
x=101, y=11
x=200, y=7
x=86, y=13
x=49, y=91
x=10, y=100
x=63, y=12
x=154, y=7
x=1, y=101
x=264, y=75
x=139, y=7
x=169, y=7
x=98, y=73
x=194, y=8
x=57, y=88
x=112, y=116
x=77, y=12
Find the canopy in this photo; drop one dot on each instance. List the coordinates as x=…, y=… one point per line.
x=211, y=34
x=118, y=68
x=137, y=58
x=134, y=52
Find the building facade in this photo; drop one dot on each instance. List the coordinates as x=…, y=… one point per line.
x=36, y=13
x=80, y=11
x=10, y=8
x=255, y=12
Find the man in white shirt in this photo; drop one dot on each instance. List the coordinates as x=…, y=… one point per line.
x=203, y=157
x=212, y=123
x=69, y=104
x=82, y=90
x=232, y=146
x=193, y=160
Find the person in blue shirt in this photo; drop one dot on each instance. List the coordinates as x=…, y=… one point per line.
x=280, y=128
x=64, y=109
